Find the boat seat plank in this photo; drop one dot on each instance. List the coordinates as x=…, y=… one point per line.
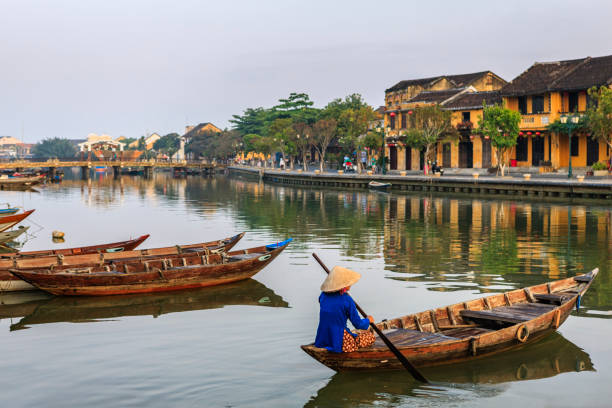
x=493, y=316
x=408, y=337
x=582, y=278
x=557, y=298
x=466, y=332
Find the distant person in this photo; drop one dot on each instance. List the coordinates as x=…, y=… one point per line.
x=281, y=164
x=336, y=307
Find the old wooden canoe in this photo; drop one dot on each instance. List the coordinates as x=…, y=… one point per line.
x=8, y=211
x=9, y=282
x=12, y=220
x=464, y=331
x=92, y=249
x=157, y=275
x=6, y=236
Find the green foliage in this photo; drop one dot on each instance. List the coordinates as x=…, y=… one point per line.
x=253, y=121
x=599, y=166
x=54, y=148
x=168, y=144
x=353, y=116
x=323, y=132
x=373, y=139
x=502, y=126
x=127, y=141
x=215, y=145
x=282, y=132
x=599, y=115
x=563, y=128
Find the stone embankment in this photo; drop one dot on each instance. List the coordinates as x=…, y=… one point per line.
x=523, y=185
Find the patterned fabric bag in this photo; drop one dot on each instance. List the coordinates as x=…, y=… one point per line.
x=364, y=338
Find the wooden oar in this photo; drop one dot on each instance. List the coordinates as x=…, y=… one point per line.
x=412, y=369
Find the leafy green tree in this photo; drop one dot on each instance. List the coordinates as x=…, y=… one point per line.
x=54, y=148
x=282, y=131
x=323, y=132
x=265, y=145
x=302, y=138
x=253, y=121
x=202, y=145
x=599, y=114
x=502, y=126
x=168, y=144
x=431, y=125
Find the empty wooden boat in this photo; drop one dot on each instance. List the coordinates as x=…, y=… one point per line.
x=157, y=275
x=467, y=330
x=375, y=185
x=92, y=249
x=8, y=211
x=6, y=236
x=9, y=282
x=8, y=183
x=12, y=220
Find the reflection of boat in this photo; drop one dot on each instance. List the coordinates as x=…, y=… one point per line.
x=155, y=275
x=545, y=358
x=9, y=282
x=12, y=220
x=379, y=186
x=11, y=235
x=18, y=304
x=467, y=330
x=83, y=309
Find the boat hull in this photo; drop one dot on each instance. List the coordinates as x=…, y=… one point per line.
x=7, y=280
x=12, y=220
x=6, y=236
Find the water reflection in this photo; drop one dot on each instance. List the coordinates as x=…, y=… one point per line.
x=90, y=309
x=488, y=376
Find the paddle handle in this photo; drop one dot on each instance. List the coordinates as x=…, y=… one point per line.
x=412, y=369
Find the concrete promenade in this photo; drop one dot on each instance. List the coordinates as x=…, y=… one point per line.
x=549, y=186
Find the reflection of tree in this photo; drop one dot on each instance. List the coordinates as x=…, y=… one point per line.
x=500, y=252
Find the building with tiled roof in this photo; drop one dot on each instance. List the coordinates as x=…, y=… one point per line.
x=543, y=93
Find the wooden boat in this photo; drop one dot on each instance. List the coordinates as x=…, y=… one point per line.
x=12, y=220
x=6, y=236
x=157, y=275
x=8, y=211
x=9, y=282
x=379, y=186
x=7, y=183
x=93, y=308
x=467, y=330
x=92, y=249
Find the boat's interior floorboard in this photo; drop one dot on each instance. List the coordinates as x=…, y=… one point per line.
x=408, y=337
x=465, y=332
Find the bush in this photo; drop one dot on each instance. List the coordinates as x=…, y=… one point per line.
x=599, y=166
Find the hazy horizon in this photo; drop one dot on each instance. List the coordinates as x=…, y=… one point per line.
x=130, y=68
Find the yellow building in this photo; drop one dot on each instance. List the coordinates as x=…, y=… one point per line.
x=545, y=92
x=464, y=95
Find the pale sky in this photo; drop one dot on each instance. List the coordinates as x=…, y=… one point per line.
x=130, y=67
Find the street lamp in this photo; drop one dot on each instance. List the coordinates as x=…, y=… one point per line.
x=571, y=121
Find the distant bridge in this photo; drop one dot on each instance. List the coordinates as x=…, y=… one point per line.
x=116, y=165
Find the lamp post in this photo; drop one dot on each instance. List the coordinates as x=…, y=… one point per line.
x=571, y=121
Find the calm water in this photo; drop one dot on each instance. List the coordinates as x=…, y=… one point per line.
x=238, y=345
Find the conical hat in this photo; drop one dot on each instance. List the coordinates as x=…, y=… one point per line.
x=339, y=278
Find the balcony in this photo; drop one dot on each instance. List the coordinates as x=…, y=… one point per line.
x=536, y=121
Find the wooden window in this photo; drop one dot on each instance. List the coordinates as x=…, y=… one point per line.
x=466, y=116
x=537, y=104
x=522, y=105
x=392, y=122
x=573, y=101
x=403, y=120
x=575, y=146
x=521, y=149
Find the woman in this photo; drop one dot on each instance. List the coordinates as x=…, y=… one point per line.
x=337, y=307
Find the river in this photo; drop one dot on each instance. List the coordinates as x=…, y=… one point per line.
x=238, y=345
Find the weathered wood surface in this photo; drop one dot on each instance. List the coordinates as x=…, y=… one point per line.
x=59, y=262
x=12, y=220
x=514, y=309
x=156, y=275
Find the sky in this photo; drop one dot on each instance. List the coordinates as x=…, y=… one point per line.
x=133, y=67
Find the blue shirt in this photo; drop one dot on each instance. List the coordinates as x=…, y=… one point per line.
x=336, y=309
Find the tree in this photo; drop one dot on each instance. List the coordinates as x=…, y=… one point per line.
x=431, y=124
x=303, y=140
x=323, y=132
x=599, y=114
x=265, y=145
x=502, y=126
x=281, y=130
x=54, y=148
x=202, y=144
x=253, y=121
x=168, y=144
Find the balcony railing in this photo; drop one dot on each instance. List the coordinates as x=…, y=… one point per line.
x=535, y=121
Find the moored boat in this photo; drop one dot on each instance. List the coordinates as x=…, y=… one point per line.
x=8, y=211
x=7, y=183
x=6, y=236
x=463, y=331
x=59, y=261
x=12, y=220
x=156, y=275
x=379, y=186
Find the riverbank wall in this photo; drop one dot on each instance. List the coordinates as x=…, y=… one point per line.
x=536, y=187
